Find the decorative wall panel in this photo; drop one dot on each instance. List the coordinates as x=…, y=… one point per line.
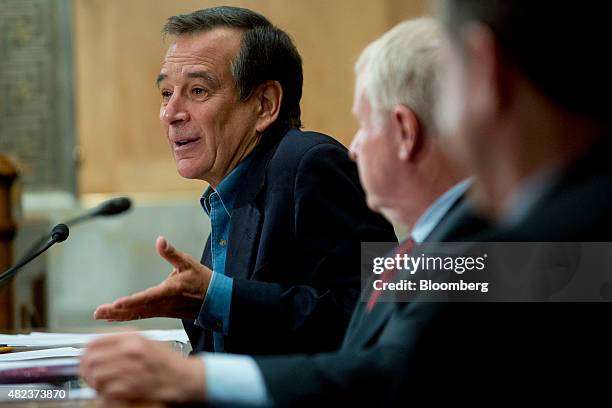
x=36, y=100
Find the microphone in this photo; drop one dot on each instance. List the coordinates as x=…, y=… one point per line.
x=113, y=206
x=59, y=233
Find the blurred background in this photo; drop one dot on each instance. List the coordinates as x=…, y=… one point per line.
x=79, y=124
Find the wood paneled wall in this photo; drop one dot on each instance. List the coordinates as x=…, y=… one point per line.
x=118, y=51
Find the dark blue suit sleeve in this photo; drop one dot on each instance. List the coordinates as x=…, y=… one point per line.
x=371, y=376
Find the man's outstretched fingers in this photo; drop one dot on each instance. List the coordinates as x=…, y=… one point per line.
x=113, y=315
x=142, y=299
x=176, y=258
x=103, y=312
x=136, y=306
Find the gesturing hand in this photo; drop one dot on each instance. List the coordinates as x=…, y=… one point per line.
x=180, y=295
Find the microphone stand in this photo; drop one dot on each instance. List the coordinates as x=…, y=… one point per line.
x=110, y=207
x=58, y=234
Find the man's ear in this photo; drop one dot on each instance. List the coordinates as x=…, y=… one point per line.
x=269, y=96
x=408, y=131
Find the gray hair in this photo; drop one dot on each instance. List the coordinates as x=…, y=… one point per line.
x=399, y=68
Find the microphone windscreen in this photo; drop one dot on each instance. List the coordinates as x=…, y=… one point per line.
x=60, y=232
x=114, y=206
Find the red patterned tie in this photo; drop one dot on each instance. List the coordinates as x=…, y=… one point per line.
x=405, y=248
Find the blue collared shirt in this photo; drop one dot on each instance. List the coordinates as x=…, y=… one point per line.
x=237, y=379
x=432, y=216
x=218, y=204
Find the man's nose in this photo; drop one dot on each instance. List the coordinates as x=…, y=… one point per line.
x=175, y=111
x=354, y=147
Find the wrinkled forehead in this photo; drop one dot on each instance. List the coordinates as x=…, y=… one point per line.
x=213, y=50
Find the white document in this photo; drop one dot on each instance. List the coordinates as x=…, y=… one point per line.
x=47, y=362
x=38, y=354
x=37, y=339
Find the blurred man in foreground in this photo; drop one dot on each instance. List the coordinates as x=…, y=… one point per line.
x=524, y=101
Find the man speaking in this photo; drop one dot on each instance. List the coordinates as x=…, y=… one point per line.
x=280, y=269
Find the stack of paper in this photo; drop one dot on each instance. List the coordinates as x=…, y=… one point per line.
x=53, y=357
x=59, y=352
x=37, y=339
x=47, y=370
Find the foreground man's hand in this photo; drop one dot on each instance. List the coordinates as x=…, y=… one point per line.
x=130, y=367
x=179, y=296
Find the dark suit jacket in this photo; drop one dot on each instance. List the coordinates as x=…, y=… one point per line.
x=474, y=352
x=378, y=351
x=294, y=248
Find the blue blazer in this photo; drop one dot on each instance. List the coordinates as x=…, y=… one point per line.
x=294, y=248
